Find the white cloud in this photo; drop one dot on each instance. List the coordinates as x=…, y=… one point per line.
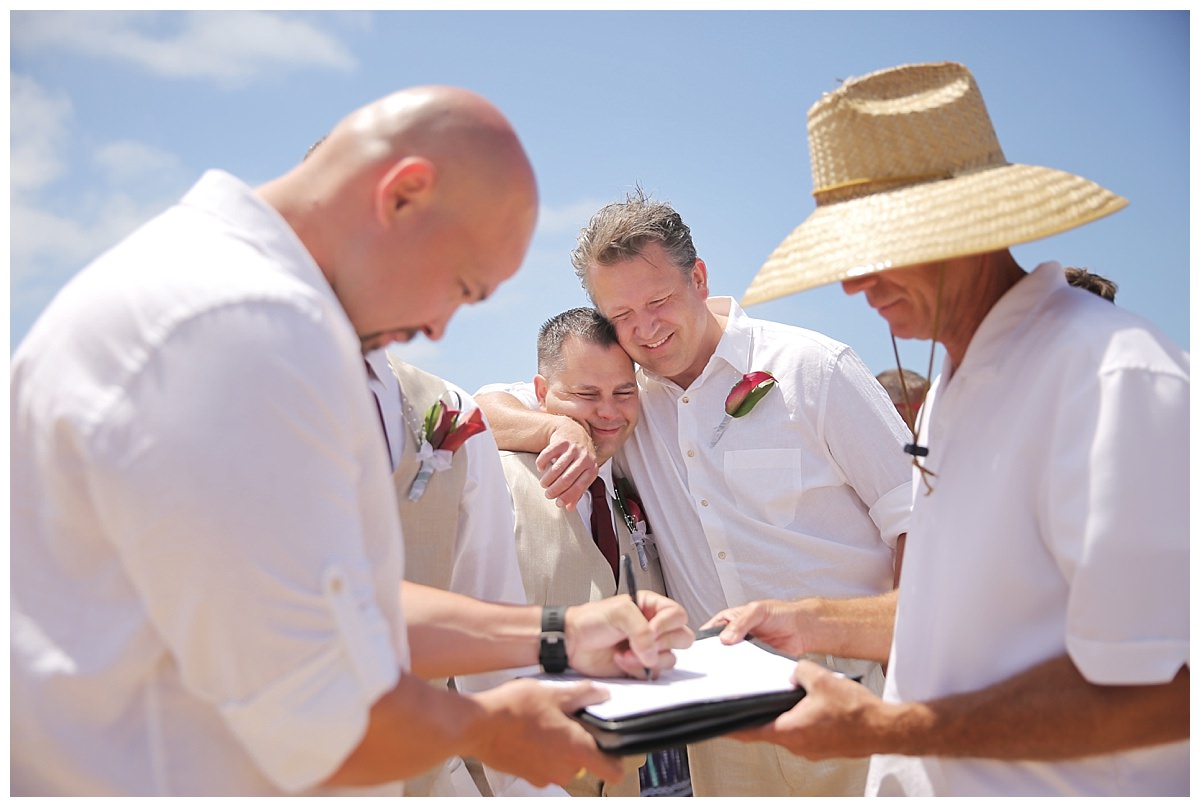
x=127, y=162
x=231, y=47
x=569, y=218
x=38, y=121
x=46, y=247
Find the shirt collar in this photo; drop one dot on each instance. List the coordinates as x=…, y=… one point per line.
x=734, y=347
x=990, y=342
x=241, y=210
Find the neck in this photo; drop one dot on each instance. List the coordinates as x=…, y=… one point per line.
x=714, y=328
x=965, y=308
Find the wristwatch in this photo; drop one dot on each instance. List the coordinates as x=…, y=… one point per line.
x=553, y=651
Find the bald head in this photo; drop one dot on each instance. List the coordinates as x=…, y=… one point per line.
x=411, y=206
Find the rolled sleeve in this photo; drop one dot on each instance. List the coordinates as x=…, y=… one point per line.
x=892, y=512
x=271, y=578
x=317, y=699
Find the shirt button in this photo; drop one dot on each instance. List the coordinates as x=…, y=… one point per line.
x=721, y=555
x=691, y=453
x=685, y=399
x=704, y=502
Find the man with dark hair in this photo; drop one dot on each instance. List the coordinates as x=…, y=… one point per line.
x=804, y=493
x=570, y=556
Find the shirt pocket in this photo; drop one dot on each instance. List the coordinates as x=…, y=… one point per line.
x=765, y=482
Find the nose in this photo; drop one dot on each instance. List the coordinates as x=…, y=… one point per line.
x=854, y=285
x=643, y=325
x=606, y=408
x=436, y=330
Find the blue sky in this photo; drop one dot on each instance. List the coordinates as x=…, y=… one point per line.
x=114, y=115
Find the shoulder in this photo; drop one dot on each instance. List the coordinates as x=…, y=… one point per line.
x=1098, y=336
x=802, y=354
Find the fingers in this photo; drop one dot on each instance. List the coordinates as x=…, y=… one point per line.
x=665, y=630
x=575, y=697
x=632, y=665
x=719, y=618
x=567, y=471
x=739, y=621
x=572, y=699
x=601, y=764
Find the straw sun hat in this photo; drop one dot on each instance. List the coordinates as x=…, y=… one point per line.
x=907, y=169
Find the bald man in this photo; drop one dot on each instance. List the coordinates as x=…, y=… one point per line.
x=205, y=549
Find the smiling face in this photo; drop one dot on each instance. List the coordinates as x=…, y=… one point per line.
x=595, y=385
x=660, y=314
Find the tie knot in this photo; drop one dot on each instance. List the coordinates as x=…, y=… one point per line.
x=597, y=489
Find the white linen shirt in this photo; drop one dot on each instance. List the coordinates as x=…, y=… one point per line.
x=804, y=496
x=205, y=547
x=1058, y=524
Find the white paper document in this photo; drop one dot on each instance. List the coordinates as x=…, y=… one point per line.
x=707, y=671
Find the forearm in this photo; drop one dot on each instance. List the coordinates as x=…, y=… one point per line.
x=1048, y=712
x=853, y=628
x=412, y=727
x=455, y=635
x=515, y=426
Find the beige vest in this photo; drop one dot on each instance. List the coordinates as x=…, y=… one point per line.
x=560, y=563
x=430, y=524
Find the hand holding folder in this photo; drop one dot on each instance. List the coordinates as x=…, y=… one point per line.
x=712, y=690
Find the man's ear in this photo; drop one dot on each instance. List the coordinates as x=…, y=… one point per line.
x=700, y=276
x=407, y=181
x=541, y=386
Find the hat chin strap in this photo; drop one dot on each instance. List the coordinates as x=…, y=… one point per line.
x=915, y=448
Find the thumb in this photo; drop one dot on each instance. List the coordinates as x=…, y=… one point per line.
x=806, y=673
x=586, y=693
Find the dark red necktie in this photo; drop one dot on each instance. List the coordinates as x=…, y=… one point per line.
x=602, y=525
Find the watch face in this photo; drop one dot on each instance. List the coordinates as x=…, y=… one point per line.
x=552, y=653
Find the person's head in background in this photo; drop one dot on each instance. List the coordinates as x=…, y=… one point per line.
x=1083, y=279
x=907, y=390
x=584, y=374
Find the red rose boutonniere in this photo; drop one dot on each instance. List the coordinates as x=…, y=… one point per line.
x=744, y=396
x=444, y=432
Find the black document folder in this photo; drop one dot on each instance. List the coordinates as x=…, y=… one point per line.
x=699, y=702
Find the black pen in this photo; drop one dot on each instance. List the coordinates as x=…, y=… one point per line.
x=631, y=585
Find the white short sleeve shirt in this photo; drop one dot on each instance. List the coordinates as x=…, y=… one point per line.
x=1058, y=524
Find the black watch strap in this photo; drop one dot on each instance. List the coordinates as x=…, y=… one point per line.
x=553, y=651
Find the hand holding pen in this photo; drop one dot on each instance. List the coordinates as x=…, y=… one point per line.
x=631, y=586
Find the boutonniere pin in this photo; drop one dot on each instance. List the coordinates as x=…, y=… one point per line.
x=443, y=432
x=744, y=396
x=635, y=520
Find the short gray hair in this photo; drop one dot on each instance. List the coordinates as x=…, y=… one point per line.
x=621, y=230
x=587, y=324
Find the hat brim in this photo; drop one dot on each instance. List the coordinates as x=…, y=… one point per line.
x=966, y=215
